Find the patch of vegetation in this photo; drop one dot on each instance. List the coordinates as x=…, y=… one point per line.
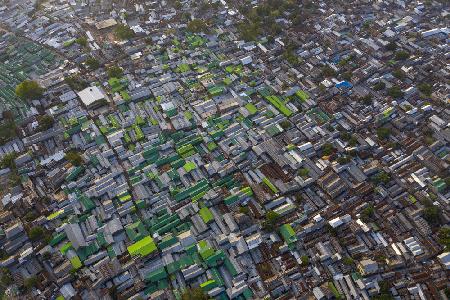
x=327, y=71
x=195, y=293
x=305, y=260
x=303, y=172
x=425, y=88
x=244, y=210
x=444, y=237
x=290, y=55
x=45, y=122
x=249, y=31
x=348, y=261
x=380, y=85
x=392, y=46
x=285, y=124
x=123, y=32
x=82, y=41
x=368, y=214
x=343, y=160
x=197, y=25
x=30, y=283
x=382, y=177
x=395, y=92
x=8, y=162
x=399, y=74
x=115, y=72
x=271, y=220
x=92, y=63
x=327, y=149
x=76, y=83
x=74, y=157
x=29, y=90
x=401, y=55
x=5, y=277
x=432, y=214
x=383, y=133
x=8, y=131
x=37, y=233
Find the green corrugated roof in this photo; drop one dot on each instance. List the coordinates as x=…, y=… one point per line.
x=143, y=247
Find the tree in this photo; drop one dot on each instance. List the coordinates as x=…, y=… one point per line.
x=382, y=177
x=432, y=214
x=8, y=161
x=30, y=216
x=327, y=71
x=348, y=261
x=444, y=237
x=425, y=88
x=380, y=85
x=36, y=233
x=395, y=92
x=195, y=293
x=76, y=83
x=399, y=74
x=347, y=75
x=305, y=260
x=285, y=124
x=290, y=55
x=8, y=131
x=391, y=46
x=343, y=160
x=74, y=158
x=401, y=55
x=123, y=32
x=31, y=282
x=46, y=255
x=197, y=25
x=5, y=277
x=45, y=122
x=115, y=72
x=327, y=149
x=271, y=220
x=29, y=90
x=383, y=133
x=248, y=31
x=92, y=63
x=244, y=210
x=368, y=214
x=303, y=172
x=82, y=41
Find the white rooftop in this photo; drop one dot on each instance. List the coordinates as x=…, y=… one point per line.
x=90, y=94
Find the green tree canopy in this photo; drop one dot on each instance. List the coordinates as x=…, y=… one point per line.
x=76, y=83
x=36, y=233
x=271, y=220
x=425, y=88
x=195, y=293
x=327, y=149
x=395, y=92
x=401, y=55
x=303, y=172
x=383, y=133
x=29, y=90
x=45, y=122
x=82, y=41
x=74, y=157
x=197, y=25
x=115, y=72
x=92, y=63
x=379, y=86
x=123, y=32
x=8, y=131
